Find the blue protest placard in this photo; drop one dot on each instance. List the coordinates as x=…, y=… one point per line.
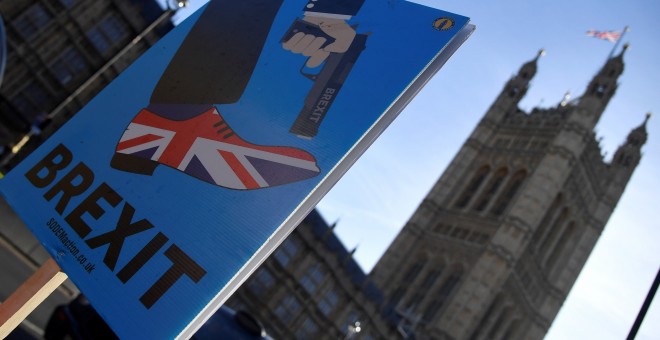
x=170, y=187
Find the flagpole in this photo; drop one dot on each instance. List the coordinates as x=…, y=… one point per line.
x=616, y=45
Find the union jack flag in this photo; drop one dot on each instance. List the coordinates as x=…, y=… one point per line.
x=206, y=147
x=607, y=35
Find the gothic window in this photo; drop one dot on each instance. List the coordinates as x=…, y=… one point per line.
x=472, y=188
x=442, y=295
x=261, y=282
x=407, y=279
x=477, y=237
x=501, y=319
x=459, y=233
x=422, y=290
x=69, y=64
x=30, y=101
x=491, y=189
x=560, y=245
x=32, y=21
x=483, y=238
x=513, y=91
x=442, y=228
x=486, y=318
x=107, y=34
x=511, y=329
x=328, y=302
x=287, y=251
x=464, y=234
x=553, y=233
x=313, y=278
x=599, y=90
x=307, y=330
x=397, y=295
x=412, y=273
x=449, y=284
x=542, y=229
x=68, y=3
x=430, y=279
x=512, y=187
x=288, y=308
x=432, y=309
x=474, y=236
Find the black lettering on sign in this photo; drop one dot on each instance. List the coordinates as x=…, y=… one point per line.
x=90, y=205
x=79, y=180
x=182, y=264
x=116, y=237
x=50, y=165
x=74, y=183
x=142, y=257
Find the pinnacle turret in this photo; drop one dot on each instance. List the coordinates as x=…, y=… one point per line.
x=629, y=154
x=528, y=70
x=603, y=86
x=516, y=88
x=637, y=137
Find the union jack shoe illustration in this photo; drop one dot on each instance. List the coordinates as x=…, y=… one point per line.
x=207, y=148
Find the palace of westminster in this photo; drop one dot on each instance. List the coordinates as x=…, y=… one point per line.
x=491, y=252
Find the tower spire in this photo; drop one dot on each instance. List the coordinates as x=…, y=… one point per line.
x=626, y=159
x=603, y=86
x=638, y=136
x=628, y=155
x=528, y=70
x=516, y=88
x=618, y=40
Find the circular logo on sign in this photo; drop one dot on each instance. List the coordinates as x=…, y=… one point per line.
x=443, y=24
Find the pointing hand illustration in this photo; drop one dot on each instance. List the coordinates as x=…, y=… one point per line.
x=312, y=46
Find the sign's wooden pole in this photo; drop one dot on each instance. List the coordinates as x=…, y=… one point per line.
x=29, y=295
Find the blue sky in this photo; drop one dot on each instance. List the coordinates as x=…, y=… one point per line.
x=377, y=196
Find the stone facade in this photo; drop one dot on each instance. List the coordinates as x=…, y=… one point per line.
x=495, y=247
x=312, y=288
x=60, y=54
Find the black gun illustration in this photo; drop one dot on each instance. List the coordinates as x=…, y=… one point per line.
x=327, y=82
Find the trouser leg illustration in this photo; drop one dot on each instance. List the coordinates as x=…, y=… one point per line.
x=182, y=129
